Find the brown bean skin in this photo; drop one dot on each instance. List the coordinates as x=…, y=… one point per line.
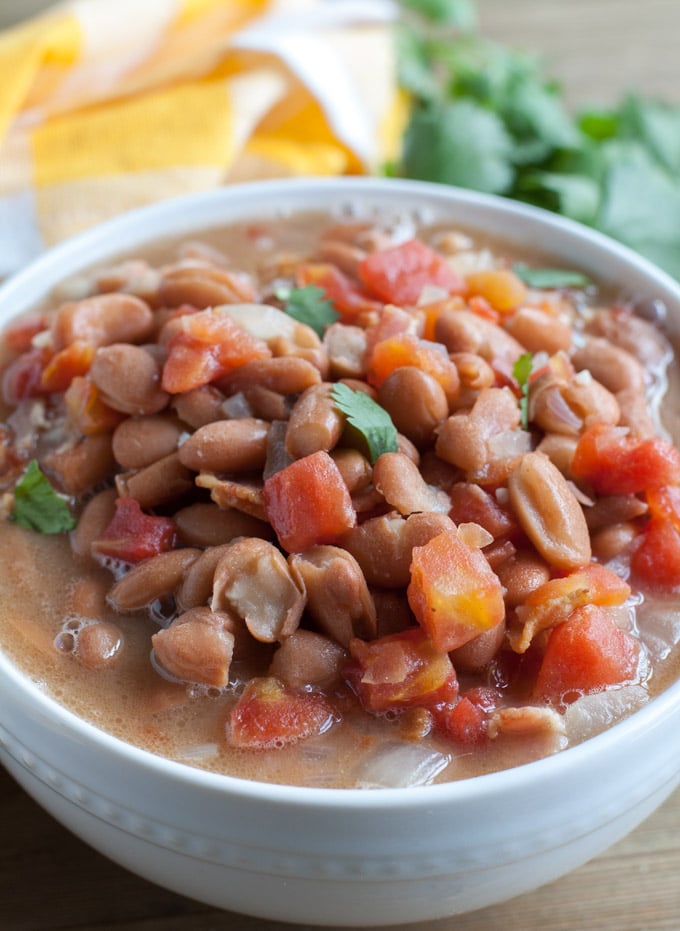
x=399, y=481
x=478, y=652
x=614, y=367
x=383, y=545
x=415, y=401
x=227, y=446
x=151, y=579
x=94, y=519
x=99, y=644
x=549, y=512
x=522, y=574
x=203, y=286
x=129, y=378
x=308, y=658
x=315, y=422
x=83, y=466
x=200, y=406
x=354, y=467
x=539, y=331
x=196, y=586
x=102, y=320
x=282, y=374
x=205, y=524
x=140, y=441
x=159, y=483
x=337, y=595
x=197, y=647
x=609, y=542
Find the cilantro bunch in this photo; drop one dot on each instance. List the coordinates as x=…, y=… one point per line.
x=486, y=117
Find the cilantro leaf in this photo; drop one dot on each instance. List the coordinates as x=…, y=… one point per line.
x=369, y=418
x=521, y=371
x=550, y=278
x=309, y=305
x=37, y=506
x=459, y=143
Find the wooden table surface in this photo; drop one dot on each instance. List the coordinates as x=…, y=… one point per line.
x=49, y=880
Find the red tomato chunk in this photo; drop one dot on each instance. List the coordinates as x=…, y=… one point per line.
x=269, y=714
x=132, y=535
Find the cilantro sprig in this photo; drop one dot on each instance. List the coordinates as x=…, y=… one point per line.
x=368, y=418
x=521, y=371
x=309, y=305
x=37, y=506
x=550, y=277
x=487, y=117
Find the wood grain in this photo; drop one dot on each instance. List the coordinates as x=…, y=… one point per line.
x=49, y=880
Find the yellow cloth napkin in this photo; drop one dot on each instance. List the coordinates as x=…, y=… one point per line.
x=109, y=105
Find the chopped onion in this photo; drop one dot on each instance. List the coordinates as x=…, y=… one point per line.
x=591, y=714
x=399, y=766
x=509, y=443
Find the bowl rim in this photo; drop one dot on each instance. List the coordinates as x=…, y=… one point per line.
x=182, y=214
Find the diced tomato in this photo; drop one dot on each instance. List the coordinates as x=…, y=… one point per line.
x=308, y=502
x=132, y=535
x=664, y=503
x=587, y=653
x=86, y=410
x=22, y=377
x=482, y=308
x=210, y=345
x=63, y=367
x=465, y=722
x=399, y=274
x=401, y=670
x=502, y=288
x=19, y=335
x=453, y=592
x=348, y=299
x=656, y=561
x=269, y=714
x=406, y=349
x=615, y=463
x=551, y=603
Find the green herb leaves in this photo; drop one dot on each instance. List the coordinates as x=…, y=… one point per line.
x=486, y=117
x=309, y=305
x=521, y=371
x=550, y=277
x=368, y=418
x=37, y=506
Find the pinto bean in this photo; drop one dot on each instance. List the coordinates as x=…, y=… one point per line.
x=549, y=512
x=613, y=509
x=337, y=595
x=616, y=368
x=197, y=647
x=282, y=374
x=393, y=612
x=102, y=320
x=265, y=404
x=94, y=519
x=345, y=347
x=478, y=652
x=227, y=446
x=203, y=286
x=99, y=644
x=227, y=493
x=465, y=331
x=521, y=574
x=560, y=449
x=151, y=579
x=253, y=580
x=283, y=335
x=129, y=379
x=140, y=441
x=463, y=439
x=308, y=658
x=635, y=413
x=345, y=255
x=383, y=545
x=641, y=338
x=159, y=483
x=539, y=331
x=400, y=483
x=315, y=422
x=204, y=524
x=415, y=401
x=195, y=589
x=610, y=542
x=354, y=467
x=199, y=406
x=83, y=466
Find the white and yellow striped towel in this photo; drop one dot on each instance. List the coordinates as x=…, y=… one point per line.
x=109, y=105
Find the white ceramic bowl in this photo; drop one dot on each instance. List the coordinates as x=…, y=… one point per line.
x=323, y=856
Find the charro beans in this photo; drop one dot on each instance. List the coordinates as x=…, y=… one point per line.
x=259, y=561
